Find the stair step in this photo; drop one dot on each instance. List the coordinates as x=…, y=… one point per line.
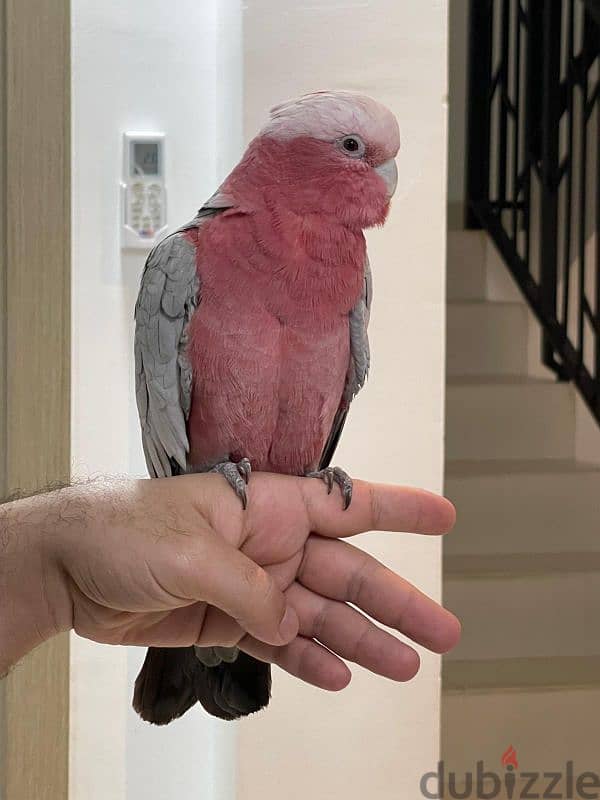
x=526, y=615
x=486, y=337
x=494, y=417
x=523, y=506
x=511, y=565
x=547, y=728
x=522, y=567
x=476, y=270
x=521, y=673
x=466, y=274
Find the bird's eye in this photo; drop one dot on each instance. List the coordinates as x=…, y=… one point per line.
x=352, y=146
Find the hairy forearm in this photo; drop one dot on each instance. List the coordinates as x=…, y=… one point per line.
x=34, y=597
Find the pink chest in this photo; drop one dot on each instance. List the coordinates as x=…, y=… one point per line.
x=269, y=358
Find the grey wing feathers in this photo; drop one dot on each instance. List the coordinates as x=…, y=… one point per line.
x=167, y=299
x=358, y=368
x=360, y=355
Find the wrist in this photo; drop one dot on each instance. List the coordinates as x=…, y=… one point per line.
x=34, y=596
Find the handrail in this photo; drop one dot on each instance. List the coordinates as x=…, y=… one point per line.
x=533, y=166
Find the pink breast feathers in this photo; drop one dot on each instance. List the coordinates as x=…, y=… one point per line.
x=269, y=347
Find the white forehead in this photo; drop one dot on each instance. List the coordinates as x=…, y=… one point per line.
x=329, y=115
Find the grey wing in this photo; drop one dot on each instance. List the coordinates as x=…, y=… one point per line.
x=168, y=296
x=358, y=369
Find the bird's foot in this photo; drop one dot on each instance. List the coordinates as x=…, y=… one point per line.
x=331, y=475
x=213, y=656
x=237, y=476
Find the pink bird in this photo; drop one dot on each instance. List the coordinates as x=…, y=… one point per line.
x=251, y=339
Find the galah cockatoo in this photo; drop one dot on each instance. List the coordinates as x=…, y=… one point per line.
x=251, y=339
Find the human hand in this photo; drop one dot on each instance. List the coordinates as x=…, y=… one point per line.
x=294, y=530
x=177, y=562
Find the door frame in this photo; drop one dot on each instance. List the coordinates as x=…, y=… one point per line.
x=35, y=353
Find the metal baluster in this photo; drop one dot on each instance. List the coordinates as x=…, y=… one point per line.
x=552, y=23
x=503, y=122
x=569, y=82
x=517, y=107
x=478, y=132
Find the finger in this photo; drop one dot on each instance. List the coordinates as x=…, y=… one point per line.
x=219, y=630
x=377, y=507
x=352, y=636
x=340, y=571
x=304, y=659
x=220, y=575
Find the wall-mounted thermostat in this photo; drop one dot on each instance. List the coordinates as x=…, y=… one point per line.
x=143, y=189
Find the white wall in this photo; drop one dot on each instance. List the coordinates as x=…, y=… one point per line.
x=138, y=66
x=376, y=738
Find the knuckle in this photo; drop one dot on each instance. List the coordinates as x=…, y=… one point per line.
x=404, y=610
x=181, y=561
x=361, y=643
x=357, y=582
x=319, y=622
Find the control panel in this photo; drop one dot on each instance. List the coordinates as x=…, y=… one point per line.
x=143, y=190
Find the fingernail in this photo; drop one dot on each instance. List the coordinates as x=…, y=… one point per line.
x=289, y=625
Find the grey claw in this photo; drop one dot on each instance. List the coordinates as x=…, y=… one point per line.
x=331, y=475
x=245, y=469
x=236, y=476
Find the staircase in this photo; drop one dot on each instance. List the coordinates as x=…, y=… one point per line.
x=522, y=568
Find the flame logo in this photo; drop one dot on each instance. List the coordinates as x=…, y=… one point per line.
x=509, y=757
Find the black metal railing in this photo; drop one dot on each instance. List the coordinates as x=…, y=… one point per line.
x=533, y=166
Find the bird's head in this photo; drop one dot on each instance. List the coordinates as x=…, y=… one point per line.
x=331, y=153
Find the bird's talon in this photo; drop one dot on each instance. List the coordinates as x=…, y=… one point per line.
x=347, y=495
x=237, y=476
x=245, y=469
x=335, y=475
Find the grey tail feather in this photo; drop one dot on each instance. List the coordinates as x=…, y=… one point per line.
x=172, y=680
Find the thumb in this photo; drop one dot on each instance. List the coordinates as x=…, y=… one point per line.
x=227, y=579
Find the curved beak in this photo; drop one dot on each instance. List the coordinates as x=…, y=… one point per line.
x=389, y=172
